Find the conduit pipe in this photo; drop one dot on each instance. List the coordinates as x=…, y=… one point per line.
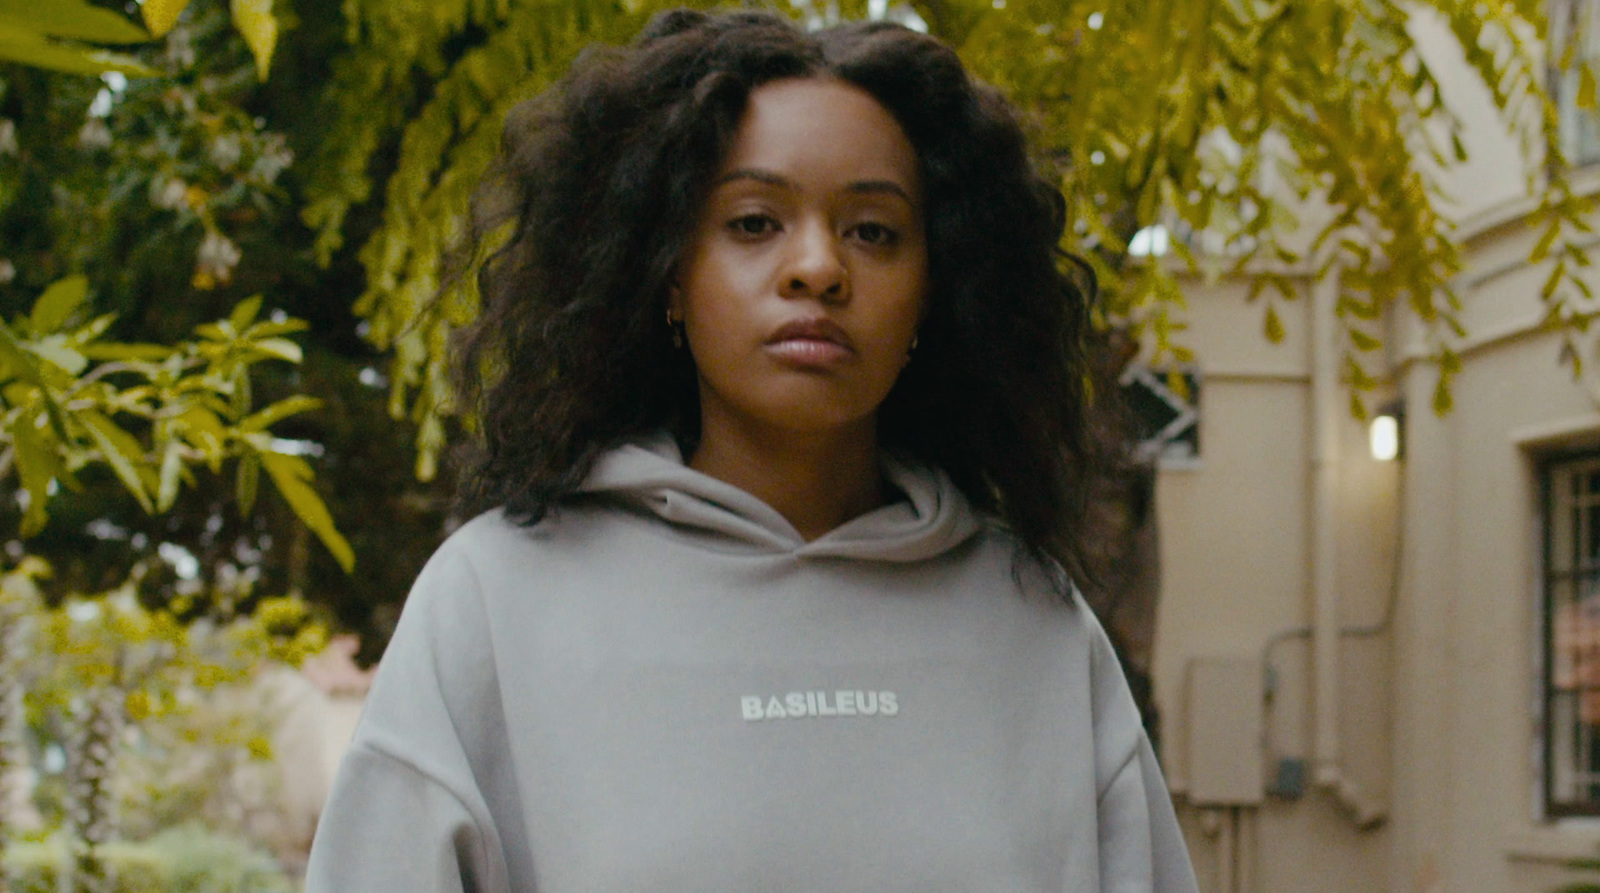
x=1325, y=631
x=1324, y=495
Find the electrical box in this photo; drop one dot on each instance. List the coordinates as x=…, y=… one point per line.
x=1225, y=706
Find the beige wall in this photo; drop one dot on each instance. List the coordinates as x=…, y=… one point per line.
x=1437, y=709
x=1438, y=713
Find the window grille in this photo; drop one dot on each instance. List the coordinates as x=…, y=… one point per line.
x=1165, y=410
x=1572, y=636
x=1575, y=38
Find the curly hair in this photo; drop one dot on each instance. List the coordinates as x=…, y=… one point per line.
x=599, y=183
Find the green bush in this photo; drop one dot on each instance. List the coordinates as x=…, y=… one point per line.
x=186, y=859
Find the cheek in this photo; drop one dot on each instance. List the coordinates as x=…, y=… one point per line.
x=910, y=306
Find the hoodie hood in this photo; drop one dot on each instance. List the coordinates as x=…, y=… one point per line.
x=933, y=518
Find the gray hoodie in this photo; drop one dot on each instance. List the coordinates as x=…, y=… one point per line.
x=663, y=687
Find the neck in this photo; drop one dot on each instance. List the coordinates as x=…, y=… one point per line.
x=816, y=481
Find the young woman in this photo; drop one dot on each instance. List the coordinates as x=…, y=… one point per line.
x=782, y=391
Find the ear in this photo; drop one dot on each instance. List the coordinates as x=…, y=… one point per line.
x=674, y=301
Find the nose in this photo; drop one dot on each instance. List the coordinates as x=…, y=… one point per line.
x=813, y=267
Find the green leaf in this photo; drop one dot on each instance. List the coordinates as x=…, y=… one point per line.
x=1546, y=241
x=269, y=416
x=1364, y=342
x=122, y=452
x=55, y=350
x=1358, y=376
x=37, y=465
x=1273, y=326
x=1554, y=282
x=244, y=313
x=23, y=367
x=269, y=328
x=127, y=352
x=248, y=481
x=290, y=475
x=259, y=29
x=1586, y=88
x=39, y=52
x=281, y=348
x=161, y=15
x=171, y=475
x=240, y=397
x=1358, y=406
x=1443, y=400
x=72, y=19
x=56, y=305
x=204, y=431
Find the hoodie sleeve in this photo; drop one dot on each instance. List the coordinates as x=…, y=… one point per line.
x=406, y=814
x=1141, y=847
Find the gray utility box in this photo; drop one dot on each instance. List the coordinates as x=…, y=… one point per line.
x=1224, y=703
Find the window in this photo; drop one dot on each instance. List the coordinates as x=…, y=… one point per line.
x=1165, y=410
x=1572, y=631
x=1575, y=24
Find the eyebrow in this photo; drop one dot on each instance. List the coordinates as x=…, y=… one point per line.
x=771, y=179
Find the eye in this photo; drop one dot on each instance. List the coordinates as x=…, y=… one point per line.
x=753, y=225
x=875, y=233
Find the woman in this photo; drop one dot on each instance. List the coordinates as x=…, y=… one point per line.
x=782, y=394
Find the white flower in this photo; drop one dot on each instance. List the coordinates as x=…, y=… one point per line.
x=8, y=270
x=226, y=150
x=94, y=135
x=180, y=49
x=275, y=157
x=168, y=194
x=217, y=257
x=8, y=136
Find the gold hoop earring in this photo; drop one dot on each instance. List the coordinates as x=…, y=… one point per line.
x=675, y=328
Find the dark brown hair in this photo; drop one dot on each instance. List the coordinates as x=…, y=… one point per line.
x=601, y=179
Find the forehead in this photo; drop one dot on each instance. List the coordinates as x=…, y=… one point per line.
x=823, y=132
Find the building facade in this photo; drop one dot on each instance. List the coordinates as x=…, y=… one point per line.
x=1384, y=675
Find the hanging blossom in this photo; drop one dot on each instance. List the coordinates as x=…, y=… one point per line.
x=274, y=158
x=169, y=193
x=94, y=135
x=180, y=48
x=215, y=260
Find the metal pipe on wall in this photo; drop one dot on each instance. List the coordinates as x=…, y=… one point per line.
x=1324, y=494
x=1326, y=411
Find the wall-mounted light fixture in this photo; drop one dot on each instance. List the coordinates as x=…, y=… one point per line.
x=1386, y=432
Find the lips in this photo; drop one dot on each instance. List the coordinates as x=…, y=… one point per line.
x=813, y=341
x=814, y=329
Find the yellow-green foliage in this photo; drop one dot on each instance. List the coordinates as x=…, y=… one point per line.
x=1289, y=136
x=179, y=860
x=61, y=34
x=70, y=398
x=444, y=149
x=162, y=667
x=1278, y=137
x=194, y=719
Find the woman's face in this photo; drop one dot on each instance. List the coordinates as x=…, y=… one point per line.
x=804, y=281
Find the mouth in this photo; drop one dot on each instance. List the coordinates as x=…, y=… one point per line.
x=814, y=341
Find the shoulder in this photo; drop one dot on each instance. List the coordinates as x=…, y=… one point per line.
x=497, y=543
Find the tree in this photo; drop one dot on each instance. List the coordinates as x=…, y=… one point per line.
x=1217, y=119
x=174, y=196
x=1272, y=137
